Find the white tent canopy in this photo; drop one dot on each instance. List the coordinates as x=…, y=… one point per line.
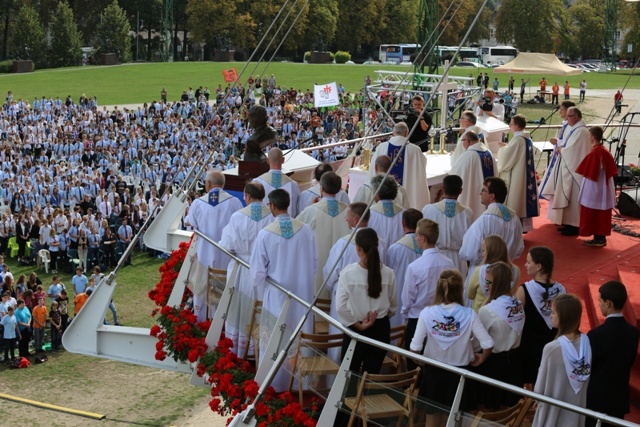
x=537, y=63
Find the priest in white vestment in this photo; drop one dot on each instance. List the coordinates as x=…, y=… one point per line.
x=550, y=176
x=402, y=253
x=284, y=251
x=474, y=166
x=275, y=179
x=516, y=167
x=311, y=195
x=410, y=170
x=497, y=219
x=209, y=214
x=365, y=192
x=239, y=236
x=454, y=220
x=468, y=121
x=386, y=216
x=564, y=195
x=328, y=220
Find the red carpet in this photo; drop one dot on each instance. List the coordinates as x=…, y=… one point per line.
x=582, y=269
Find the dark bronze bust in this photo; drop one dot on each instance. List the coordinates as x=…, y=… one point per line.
x=263, y=135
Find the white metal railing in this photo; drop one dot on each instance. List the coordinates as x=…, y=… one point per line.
x=270, y=365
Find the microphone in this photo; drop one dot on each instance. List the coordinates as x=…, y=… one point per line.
x=556, y=108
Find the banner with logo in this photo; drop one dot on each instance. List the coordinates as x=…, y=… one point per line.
x=230, y=76
x=325, y=95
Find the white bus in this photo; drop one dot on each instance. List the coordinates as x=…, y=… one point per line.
x=397, y=53
x=471, y=54
x=497, y=55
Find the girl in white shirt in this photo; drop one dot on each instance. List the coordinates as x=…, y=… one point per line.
x=448, y=327
x=366, y=298
x=503, y=317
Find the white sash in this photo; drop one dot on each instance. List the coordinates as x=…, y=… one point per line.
x=536, y=291
x=445, y=327
x=509, y=309
x=577, y=365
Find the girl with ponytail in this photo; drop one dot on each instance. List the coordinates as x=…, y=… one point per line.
x=448, y=326
x=365, y=299
x=537, y=296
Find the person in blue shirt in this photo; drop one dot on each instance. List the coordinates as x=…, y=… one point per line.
x=23, y=316
x=11, y=331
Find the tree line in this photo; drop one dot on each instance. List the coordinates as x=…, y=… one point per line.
x=51, y=32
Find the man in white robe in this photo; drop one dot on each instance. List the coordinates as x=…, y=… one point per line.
x=311, y=195
x=284, y=251
x=402, y=253
x=386, y=216
x=564, y=193
x=365, y=192
x=474, y=166
x=454, y=220
x=410, y=170
x=239, y=236
x=327, y=219
x=516, y=167
x=209, y=214
x=275, y=179
x=548, y=182
x=497, y=219
x=468, y=121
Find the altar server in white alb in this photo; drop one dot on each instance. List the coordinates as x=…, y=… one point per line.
x=312, y=195
x=285, y=251
x=209, y=214
x=238, y=237
x=327, y=218
x=497, y=219
x=410, y=170
x=275, y=179
x=454, y=220
x=402, y=253
x=386, y=216
x=474, y=166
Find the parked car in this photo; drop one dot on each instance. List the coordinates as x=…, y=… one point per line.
x=469, y=64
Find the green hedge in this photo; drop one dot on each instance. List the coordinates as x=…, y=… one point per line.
x=342, y=57
x=6, y=66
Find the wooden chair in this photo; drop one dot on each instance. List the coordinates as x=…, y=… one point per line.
x=253, y=331
x=394, y=361
x=512, y=417
x=321, y=326
x=314, y=364
x=383, y=405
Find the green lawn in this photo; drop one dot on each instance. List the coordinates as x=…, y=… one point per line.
x=137, y=83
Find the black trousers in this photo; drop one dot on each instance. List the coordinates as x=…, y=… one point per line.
x=23, y=344
x=409, y=332
x=367, y=358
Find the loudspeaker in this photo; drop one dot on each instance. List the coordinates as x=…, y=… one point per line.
x=628, y=203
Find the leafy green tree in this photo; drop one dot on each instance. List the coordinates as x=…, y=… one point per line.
x=112, y=34
x=402, y=22
x=150, y=13
x=322, y=20
x=211, y=20
x=530, y=24
x=631, y=22
x=88, y=15
x=65, y=38
x=263, y=13
x=27, y=37
x=360, y=23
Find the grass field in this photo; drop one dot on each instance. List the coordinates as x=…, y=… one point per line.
x=138, y=83
x=121, y=391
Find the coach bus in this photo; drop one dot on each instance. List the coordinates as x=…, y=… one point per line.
x=399, y=52
x=497, y=54
x=471, y=54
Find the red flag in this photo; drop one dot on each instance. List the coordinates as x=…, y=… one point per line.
x=230, y=75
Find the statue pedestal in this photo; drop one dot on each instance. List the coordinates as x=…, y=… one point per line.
x=22, y=66
x=109, y=59
x=318, y=57
x=223, y=55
